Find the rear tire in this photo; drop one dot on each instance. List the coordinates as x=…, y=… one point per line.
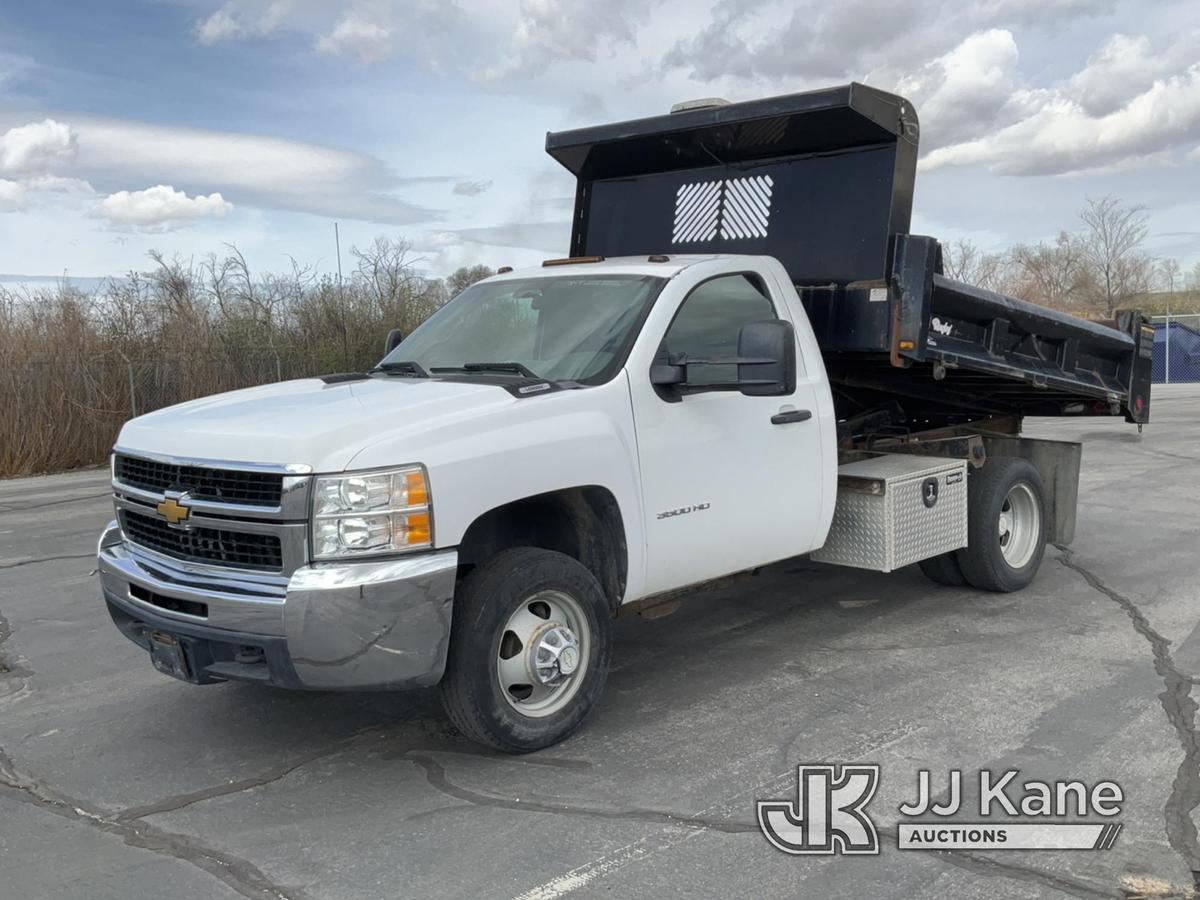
x=943, y=569
x=529, y=650
x=1006, y=525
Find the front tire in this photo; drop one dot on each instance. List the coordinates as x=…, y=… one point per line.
x=1006, y=527
x=530, y=643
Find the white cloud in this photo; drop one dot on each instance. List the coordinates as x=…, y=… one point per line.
x=962, y=91
x=484, y=38
x=159, y=208
x=193, y=154
x=13, y=67
x=60, y=184
x=31, y=153
x=220, y=26
x=36, y=147
x=239, y=21
x=12, y=195
x=551, y=237
x=254, y=170
x=1123, y=68
x=550, y=31
x=815, y=40
x=367, y=40
x=786, y=44
x=370, y=30
x=747, y=40
x=1053, y=131
x=470, y=188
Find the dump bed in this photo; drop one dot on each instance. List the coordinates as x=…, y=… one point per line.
x=823, y=181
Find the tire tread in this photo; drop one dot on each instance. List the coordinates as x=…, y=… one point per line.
x=468, y=706
x=982, y=563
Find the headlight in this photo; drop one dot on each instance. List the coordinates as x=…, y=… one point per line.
x=371, y=513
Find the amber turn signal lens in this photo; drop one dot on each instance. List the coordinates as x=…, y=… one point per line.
x=416, y=489
x=416, y=529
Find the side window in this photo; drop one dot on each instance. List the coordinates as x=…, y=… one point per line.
x=708, y=322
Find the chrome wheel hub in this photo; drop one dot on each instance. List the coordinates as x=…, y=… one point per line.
x=542, y=654
x=1019, y=526
x=554, y=655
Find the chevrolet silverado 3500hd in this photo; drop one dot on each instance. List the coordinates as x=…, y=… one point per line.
x=745, y=358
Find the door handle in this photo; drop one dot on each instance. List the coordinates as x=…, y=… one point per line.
x=791, y=415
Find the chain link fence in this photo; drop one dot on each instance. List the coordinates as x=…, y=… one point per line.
x=1176, y=349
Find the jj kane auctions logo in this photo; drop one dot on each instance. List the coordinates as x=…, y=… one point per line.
x=829, y=814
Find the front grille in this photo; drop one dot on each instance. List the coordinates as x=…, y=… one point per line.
x=206, y=545
x=201, y=482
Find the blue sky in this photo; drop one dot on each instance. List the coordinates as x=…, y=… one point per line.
x=181, y=125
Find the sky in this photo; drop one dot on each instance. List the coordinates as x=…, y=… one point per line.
x=184, y=125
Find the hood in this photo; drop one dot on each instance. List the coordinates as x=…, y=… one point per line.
x=307, y=421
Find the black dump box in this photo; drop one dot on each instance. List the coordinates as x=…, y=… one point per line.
x=823, y=181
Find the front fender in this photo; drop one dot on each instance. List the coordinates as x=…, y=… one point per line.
x=533, y=446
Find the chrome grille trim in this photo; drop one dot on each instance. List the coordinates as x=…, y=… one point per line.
x=288, y=520
x=222, y=545
x=199, y=462
x=212, y=579
x=208, y=483
x=293, y=500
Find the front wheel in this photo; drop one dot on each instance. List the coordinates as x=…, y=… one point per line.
x=1006, y=528
x=529, y=650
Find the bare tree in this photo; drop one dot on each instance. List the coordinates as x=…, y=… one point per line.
x=387, y=270
x=216, y=272
x=1168, y=271
x=1112, y=238
x=964, y=261
x=1051, y=274
x=462, y=278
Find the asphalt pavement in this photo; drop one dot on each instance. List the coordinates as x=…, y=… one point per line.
x=118, y=782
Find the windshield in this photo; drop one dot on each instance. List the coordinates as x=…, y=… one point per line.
x=568, y=328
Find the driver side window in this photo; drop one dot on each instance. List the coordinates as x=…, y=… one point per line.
x=708, y=322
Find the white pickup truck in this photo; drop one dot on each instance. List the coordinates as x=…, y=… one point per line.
x=594, y=435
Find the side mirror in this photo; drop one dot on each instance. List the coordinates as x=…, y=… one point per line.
x=394, y=337
x=767, y=359
x=663, y=375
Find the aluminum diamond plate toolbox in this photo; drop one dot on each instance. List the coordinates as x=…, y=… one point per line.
x=894, y=509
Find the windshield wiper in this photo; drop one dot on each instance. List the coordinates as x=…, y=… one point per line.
x=511, y=368
x=404, y=367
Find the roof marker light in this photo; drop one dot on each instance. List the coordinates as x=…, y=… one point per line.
x=571, y=260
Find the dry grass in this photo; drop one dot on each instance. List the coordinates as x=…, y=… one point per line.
x=76, y=366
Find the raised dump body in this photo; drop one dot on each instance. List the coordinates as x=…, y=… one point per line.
x=823, y=181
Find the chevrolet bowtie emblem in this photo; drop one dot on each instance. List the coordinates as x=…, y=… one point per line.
x=173, y=511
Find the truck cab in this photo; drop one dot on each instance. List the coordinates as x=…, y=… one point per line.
x=607, y=430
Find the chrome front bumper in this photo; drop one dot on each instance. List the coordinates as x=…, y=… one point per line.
x=329, y=626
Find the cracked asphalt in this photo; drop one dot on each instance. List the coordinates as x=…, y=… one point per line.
x=116, y=781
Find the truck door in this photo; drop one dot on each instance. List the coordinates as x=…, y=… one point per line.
x=729, y=482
